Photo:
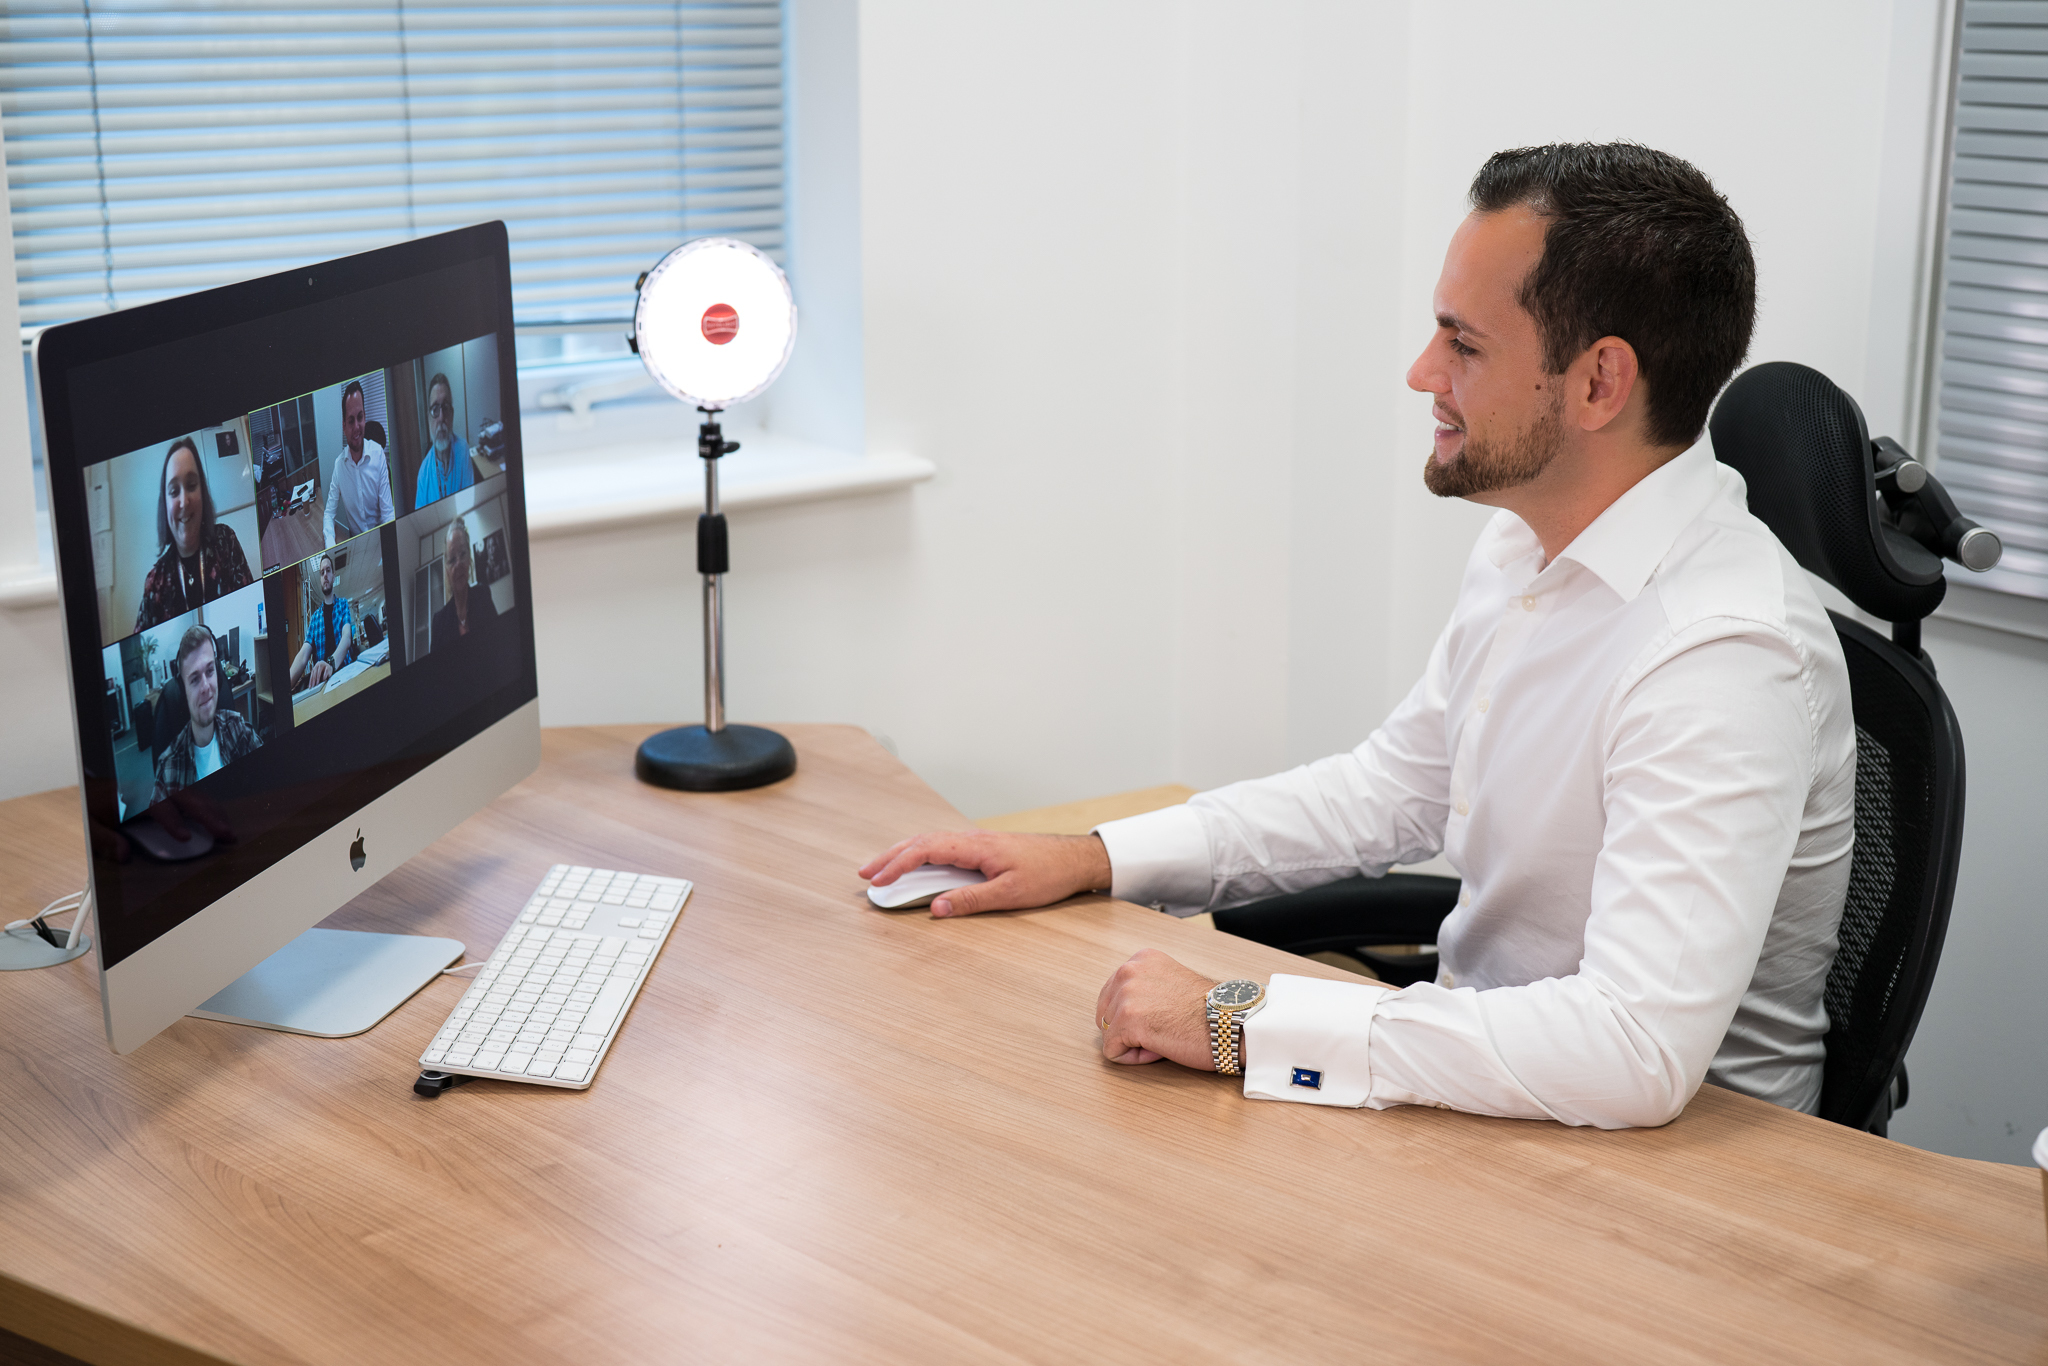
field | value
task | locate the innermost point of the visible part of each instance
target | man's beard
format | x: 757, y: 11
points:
x: 1484, y: 467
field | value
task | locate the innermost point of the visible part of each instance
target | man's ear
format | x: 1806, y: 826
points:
x: 1608, y: 374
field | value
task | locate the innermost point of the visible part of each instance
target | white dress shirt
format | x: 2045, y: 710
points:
x: 360, y: 488
x: 1641, y: 760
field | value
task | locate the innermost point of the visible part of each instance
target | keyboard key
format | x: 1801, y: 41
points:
x: 606, y: 1007
x: 629, y: 923
x: 585, y: 1056
x: 487, y: 1060
x: 540, y: 1068
x: 650, y: 934
x: 589, y: 1042
x: 433, y: 1055
x: 571, y: 1071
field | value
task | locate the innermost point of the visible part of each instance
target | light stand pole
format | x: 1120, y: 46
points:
x: 714, y: 757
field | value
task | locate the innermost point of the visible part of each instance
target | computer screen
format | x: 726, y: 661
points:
x: 290, y: 531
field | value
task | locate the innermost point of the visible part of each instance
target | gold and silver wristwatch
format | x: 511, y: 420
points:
x: 1230, y: 1005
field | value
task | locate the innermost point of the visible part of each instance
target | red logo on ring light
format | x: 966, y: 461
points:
x: 721, y: 324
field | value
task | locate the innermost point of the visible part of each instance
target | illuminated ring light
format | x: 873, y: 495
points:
x: 715, y: 322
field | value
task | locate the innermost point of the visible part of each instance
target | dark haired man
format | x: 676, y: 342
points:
x: 446, y: 468
x: 330, y: 634
x: 359, y: 489
x: 1633, y: 739
x: 212, y: 738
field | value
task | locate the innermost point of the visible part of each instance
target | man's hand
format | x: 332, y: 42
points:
x: 1022, y: 870
x: 319, y: 673
x: 1153, y: 1008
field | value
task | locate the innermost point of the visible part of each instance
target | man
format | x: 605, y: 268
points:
x: 1633, y: 739
x: 446, y: 469
x: 211, y: 739
x: 359, y: 489
x: 330, y: 634
x: 469, y: 612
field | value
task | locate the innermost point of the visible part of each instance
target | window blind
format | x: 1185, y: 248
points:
x: 1992, y: 399
x: 160, y: 146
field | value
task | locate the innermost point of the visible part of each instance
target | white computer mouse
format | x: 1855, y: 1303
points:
x: 918, y: 886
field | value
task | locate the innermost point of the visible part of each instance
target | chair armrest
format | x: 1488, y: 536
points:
x: 1400, y: 908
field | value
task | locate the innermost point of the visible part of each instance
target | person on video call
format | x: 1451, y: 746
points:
x: 1632, y: 740
x: 469, y: 612
x: 330, y: 635
x: 212, y: 738
x: 199, y: 558
x: 446, y: 469
x: 360, y: 487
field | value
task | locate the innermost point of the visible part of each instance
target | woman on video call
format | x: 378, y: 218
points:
x: 201, y: 559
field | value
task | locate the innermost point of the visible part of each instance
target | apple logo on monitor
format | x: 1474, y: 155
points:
x: 356, y: 857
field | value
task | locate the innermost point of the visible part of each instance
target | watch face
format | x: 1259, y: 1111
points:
x: 1234, y: 995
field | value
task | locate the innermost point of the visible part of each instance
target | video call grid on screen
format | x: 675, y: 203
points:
x: 252, y: 564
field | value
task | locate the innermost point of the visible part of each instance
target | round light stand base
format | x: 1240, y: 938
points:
x: 694, y: 759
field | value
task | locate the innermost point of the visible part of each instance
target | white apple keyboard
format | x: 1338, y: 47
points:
x: 920, y: 885
x: 547, y: 1004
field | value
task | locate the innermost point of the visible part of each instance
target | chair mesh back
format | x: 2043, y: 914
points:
x: 1803, y: 450
x: 1900, y: 875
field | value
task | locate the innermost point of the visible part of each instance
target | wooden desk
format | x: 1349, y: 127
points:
x: 835, y: 1134
x: 317, y: 702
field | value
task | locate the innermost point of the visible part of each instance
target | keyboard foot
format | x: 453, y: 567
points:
x: 431, y: 1083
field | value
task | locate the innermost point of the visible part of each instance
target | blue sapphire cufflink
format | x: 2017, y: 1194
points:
x: 1304, y: 1077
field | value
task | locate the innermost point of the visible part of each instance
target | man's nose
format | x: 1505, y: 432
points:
x: 1425, y: 376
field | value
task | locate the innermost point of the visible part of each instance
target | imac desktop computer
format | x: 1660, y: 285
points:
x: 269, y: 502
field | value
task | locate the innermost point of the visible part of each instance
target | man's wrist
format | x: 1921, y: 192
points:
x: 1098, y: 875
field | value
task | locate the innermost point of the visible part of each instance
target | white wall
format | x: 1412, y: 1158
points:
x: 1143, y: 280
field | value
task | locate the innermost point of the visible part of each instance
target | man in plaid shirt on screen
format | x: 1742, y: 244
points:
x: 330, y: 634
x: 211, y: 738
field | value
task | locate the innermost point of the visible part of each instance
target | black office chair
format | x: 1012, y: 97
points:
x: 1870, y: 520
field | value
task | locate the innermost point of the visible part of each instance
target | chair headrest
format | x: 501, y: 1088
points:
x: 1802, y: 446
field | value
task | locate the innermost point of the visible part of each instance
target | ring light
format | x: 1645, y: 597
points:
x: 715, y: 322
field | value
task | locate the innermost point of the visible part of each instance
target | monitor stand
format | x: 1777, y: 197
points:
x: 332, y: 983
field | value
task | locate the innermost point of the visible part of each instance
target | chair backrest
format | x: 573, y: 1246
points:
x: 1902, y: 875
x: 1804, y: 450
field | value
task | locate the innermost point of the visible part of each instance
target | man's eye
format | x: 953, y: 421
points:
x: 1463, y: 349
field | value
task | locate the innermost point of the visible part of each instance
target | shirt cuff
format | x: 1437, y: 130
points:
x: 1159, y: 859
x: 1312, y: 1041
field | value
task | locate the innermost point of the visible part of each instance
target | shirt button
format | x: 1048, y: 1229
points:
x: 1464, y: 898
x: 1461, y: 808
x: 1448, y: 980
x: 1483, y: 703
x: 1529, y: 602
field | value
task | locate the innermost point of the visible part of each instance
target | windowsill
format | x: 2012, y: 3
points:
x: 636, y: 463
x: 2012, y: 613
